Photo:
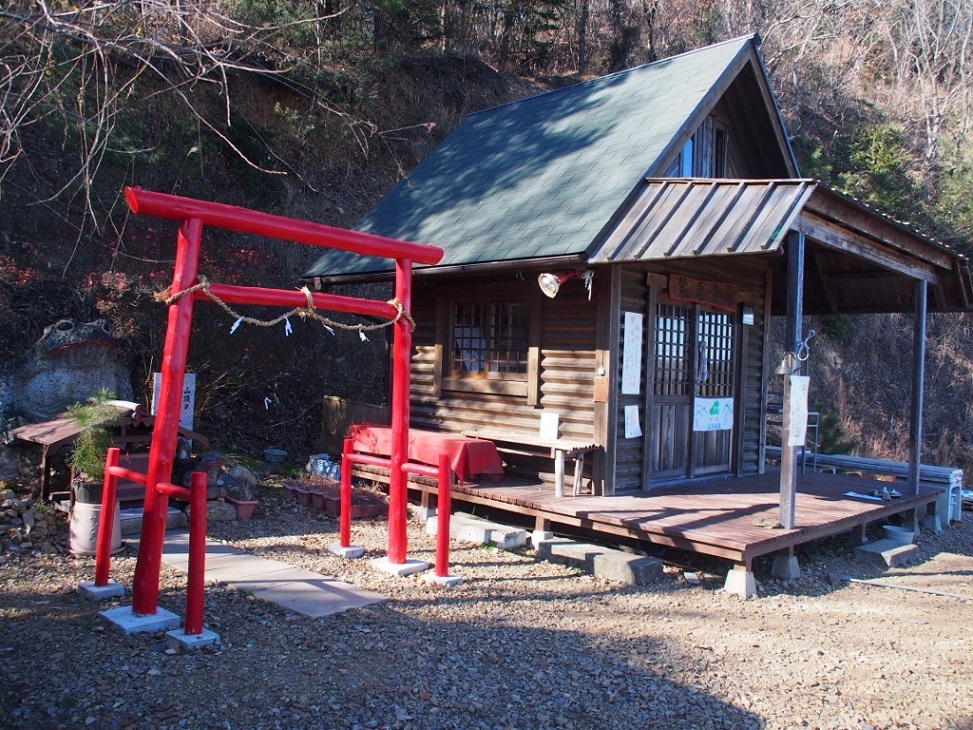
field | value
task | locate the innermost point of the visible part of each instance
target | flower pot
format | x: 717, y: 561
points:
x: 83, y: 530
x: 358, y: 511
x: 244, y: 507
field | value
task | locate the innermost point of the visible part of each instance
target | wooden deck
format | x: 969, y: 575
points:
x: 714, y: 516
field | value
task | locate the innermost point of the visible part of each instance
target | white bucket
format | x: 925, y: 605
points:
x: 83, y: 534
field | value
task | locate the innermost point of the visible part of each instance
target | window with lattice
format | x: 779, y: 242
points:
x: 489, y: 339
x: 673, y: 374
x: 714, y: 355
x: 693, y: 354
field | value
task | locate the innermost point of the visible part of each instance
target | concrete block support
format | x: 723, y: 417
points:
x: 786, y: 566
x: 123, y: 619
x: 179, y: 641
x: 740, y: 582
x: 467, y: 528
x: 539, y: 536
x: 400, y: 569
x: 350, y: 552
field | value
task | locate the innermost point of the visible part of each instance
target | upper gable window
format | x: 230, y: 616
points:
x: 704, y: 154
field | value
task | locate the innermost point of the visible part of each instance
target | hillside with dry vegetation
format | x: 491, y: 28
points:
x: 314, y: 110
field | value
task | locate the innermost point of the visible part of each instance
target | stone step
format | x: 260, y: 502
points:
x: 131, y: 520
x: 602, y: 562
x: 468, y: 528
x: 887, y: 552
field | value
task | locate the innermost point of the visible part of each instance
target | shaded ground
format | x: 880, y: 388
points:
x: 520, y: 644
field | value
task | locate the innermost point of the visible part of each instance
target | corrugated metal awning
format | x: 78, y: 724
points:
x: 686, y: 218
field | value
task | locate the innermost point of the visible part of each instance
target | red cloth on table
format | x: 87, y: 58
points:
x: 466, y: 455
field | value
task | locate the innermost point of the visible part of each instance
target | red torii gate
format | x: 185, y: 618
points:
x: 193, y: 216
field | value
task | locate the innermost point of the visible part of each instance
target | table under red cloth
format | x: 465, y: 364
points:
x: 466, y: 455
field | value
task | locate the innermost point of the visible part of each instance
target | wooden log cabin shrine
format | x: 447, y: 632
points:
x: 662, y: 211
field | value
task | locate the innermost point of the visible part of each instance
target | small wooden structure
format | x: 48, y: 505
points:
x: 132, y: 435
x: 662, y: 213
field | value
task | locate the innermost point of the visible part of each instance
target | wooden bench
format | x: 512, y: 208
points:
x: 526, y: 444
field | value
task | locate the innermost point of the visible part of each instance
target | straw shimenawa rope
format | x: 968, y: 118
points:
x: 306, y: 311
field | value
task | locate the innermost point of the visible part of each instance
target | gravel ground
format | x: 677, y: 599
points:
x: 520, y: 644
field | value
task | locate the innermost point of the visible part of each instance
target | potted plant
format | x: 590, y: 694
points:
x: 239, y: 484
x: 96, y: 418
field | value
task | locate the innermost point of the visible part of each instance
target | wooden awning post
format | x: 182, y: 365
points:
x: 918, y: 377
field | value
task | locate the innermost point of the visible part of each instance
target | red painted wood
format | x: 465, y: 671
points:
x: 193, y: 214
x: 344, y: 516
x: 197, y: 555
x: 145, y: 585
x: 243, y: 220
x: 443, y: 508
x: 284, y: 298
x: 107, y: 523
x: 401, y: 362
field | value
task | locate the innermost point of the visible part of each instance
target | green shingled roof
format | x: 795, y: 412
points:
x: 542, y: 176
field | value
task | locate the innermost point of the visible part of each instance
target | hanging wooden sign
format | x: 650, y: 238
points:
x: 713, y: 293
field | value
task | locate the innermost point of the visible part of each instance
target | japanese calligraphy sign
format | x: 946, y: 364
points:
x: 714, y: 293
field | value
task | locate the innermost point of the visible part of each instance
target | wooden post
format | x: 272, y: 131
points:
x: 402, y: 356
x: 148, y: 567
x: 918, y: 377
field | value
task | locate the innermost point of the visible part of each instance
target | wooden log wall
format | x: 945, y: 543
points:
x: 754, y: 376
x: 567, y: 368
x: 567, y: 364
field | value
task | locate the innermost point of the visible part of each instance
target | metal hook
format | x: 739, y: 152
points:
x: 803, y: 351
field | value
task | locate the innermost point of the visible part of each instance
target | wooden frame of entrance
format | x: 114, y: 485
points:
x: 193, y: 215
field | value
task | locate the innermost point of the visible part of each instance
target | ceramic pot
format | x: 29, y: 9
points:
x: 244, y: 507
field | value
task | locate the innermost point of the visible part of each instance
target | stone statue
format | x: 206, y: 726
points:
x: 68, y: 364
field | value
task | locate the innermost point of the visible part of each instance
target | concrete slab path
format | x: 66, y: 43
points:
x: 298, y: 590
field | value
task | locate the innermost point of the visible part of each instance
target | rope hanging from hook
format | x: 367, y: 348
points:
x: 303, y: 312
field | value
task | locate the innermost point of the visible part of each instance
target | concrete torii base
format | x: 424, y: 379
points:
x: 400, y: 569
x: 123, y: 619
x: 741, y: 582
x: 446, y: 581
x: 179, y: 641
x: 350, y: 552
x: 99, y: 593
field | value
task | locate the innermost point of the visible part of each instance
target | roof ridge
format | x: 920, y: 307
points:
x: 601, y: 80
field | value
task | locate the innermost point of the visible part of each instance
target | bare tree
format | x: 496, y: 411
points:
x: 78, y: 64
x: 931, y: 44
